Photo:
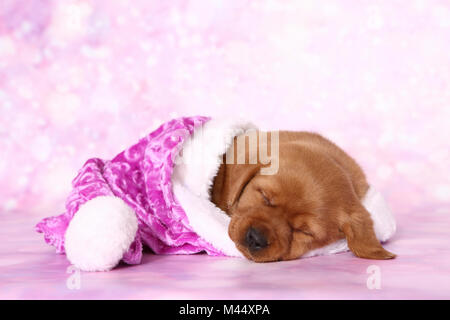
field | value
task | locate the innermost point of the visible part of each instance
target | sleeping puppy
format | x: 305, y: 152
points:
x: 314, y: 199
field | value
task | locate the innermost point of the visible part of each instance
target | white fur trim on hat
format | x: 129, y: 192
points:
x: 100, y: 233
x: 194, y: 174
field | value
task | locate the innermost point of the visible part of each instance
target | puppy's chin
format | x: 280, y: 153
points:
x: 262, y: 255
x: 278, y: 241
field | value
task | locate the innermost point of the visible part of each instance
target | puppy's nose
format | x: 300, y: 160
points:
x: 255, y: 240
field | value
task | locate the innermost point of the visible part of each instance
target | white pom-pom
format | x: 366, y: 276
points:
x: 100, y: 233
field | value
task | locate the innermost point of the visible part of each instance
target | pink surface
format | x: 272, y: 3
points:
x: 31, y: 270
x: 82, y: 79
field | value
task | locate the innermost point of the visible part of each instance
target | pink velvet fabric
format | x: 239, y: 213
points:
x: 141, y: 176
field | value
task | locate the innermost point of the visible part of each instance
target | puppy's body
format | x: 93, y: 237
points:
x: 313, y: 200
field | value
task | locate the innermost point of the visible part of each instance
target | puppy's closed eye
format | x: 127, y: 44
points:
x: 301, y: 227
x: 266, y: 198
x: 305, y: 232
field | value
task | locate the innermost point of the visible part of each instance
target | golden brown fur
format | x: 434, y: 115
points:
x: 313, y: 200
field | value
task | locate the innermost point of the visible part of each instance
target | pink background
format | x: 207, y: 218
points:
x: 80, y: 79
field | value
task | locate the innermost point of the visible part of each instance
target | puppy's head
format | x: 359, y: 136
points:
x: 307, y: 204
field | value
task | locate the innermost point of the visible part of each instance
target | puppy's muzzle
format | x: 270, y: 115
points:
x: 255, y: 240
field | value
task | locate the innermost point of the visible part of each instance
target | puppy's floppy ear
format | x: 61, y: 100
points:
x: 233, y: 176
x: 230, y: 182
x: 358, y: 229
x: 241, y: 175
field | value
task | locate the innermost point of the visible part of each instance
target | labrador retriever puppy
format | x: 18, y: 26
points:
x: 314, y: 199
